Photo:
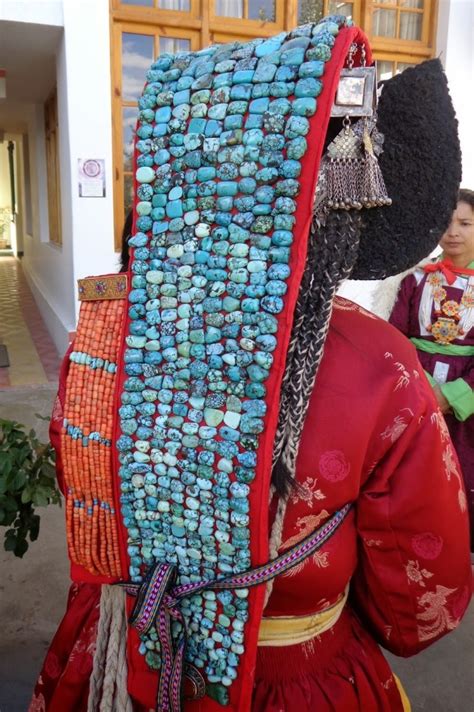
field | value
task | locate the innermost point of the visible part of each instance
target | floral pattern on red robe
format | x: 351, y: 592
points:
x: 373, y: 436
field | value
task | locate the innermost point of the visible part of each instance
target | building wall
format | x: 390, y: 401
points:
x: 456, y: 47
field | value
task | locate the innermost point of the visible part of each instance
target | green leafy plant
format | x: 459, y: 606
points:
x: 27, y: 480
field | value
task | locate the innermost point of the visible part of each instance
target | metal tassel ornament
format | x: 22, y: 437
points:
x: 344, y: 170
x: 372, y: 189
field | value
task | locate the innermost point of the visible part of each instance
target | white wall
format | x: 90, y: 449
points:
x: 86, y: 84
x: 455, y: 44
x: 83, y: 77
x: 48, y: 268
x: 41, y: 12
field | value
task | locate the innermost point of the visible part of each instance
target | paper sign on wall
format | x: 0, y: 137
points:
x: 91, y: 177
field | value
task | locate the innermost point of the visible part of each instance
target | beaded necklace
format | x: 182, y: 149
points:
x: 453, y: 320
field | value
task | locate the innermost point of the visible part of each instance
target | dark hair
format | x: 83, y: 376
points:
x: 332, y: 254
x: 466, y: 196
x: 126, y: 234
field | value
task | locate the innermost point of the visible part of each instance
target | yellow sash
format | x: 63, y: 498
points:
x: 280, y: 631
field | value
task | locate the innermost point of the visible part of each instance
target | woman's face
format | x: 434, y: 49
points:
x: 458, y: 240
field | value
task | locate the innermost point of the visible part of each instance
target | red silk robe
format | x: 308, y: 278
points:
x: 373, y: 435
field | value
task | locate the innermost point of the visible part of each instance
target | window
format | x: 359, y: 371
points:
x: 387, y: 68
x: 182, y: 5
x: 402, y: 19
x: 263, y: 10
x: 52, y: 168
x: 314, y: 10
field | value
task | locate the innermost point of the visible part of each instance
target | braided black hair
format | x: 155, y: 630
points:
x: 332, y: 254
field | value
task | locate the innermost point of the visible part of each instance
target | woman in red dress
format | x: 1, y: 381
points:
x: 207, y: 445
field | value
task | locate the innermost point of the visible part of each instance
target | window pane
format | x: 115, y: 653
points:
x: 143, y: 3
x: 129, y: 120
x: 401, y: 66
x: 410, y: 25
x: 127, y: 194
x: 262, y: 10
x: 182, y: 5
x: 174, y: 45
x: 385, y: 23
x: 336, y: 7
x: 385, y: 70
x: 229, y: 8
x: 310, y: 11
x: 411, y: 3
x: 137, y: 55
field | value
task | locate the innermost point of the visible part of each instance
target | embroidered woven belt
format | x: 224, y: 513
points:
x: 279, y: 631
x: 158, y: 599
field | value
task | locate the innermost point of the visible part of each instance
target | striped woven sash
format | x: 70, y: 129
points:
x: 158, y: 600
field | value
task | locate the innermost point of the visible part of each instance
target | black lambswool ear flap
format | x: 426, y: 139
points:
x: 421, y: 166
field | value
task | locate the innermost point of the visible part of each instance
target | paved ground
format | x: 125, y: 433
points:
x: 33, y: 594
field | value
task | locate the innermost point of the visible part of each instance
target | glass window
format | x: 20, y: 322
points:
x: 385, y: 70
x: 418, y: 4
x: 310, y: 11
x: 182, y: 5
x: 127, y: 193
x: 401, y: 66
x: 174, y: 45
x: 385, y: 23
x: 129, y: 120
x: 410, y: 25
x: 336, y: 7
x: 229, y: 8
x: 137, y: 54
x: 263, y: 10
x: 143, y: 3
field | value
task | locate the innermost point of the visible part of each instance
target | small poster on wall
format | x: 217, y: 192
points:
x: 91, y: 177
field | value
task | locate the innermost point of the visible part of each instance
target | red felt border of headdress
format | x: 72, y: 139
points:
x: 143, y: 682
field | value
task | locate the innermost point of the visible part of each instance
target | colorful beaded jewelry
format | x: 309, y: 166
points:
x: 86, y: 438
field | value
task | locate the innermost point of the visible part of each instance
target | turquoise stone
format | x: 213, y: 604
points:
x: 174, y: 209
x: 254, y: 121
x: 296, y: 126
x: 196, y: 125
x: 304, y: 107
x: 227, y: 188
x: 145, y: 174
x: 267, y: 47
x: 308, y: 87
x: 144, y: 208
x: 241, y: 92
x: 295, y: 55
x: 290, y: 169
x: 235, y: 121
x: 181, y: 97
x: 248, y: 185
x: 213, y: 128
x: 311, y: 69
x: 243, y: 76
x: 217, y: 112
x: 198, y: 111
x: 259, y: 106
x: 264, y: 72
x: 296, y: 148
x: 286, y: 73
x: 237, y: 107
x: 319, y: 52
x: 163, y: 115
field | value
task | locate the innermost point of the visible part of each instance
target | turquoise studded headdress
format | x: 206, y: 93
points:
x: 228, y: 145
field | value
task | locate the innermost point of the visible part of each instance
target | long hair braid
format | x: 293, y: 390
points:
x: 332, y: 254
